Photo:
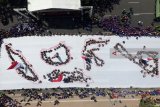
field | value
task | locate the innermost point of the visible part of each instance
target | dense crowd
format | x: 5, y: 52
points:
x: 121, y: 25
x: 148, y: 69
x: 21, y: 70
x: 113, y: 24
x: 56, y: 94
x: 76, y: 75
x: 89, y: 54
x: 26, y: 28
x: 44, y: 94
x: 49, y: 60
x: 6, y: 101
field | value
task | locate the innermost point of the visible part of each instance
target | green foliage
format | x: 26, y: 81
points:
x: 157, y: 28
x: 1, y: 94
x: 3, y: 2
x: 147, y: 103
x: 157, y: 8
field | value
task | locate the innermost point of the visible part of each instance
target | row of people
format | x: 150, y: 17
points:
x: 41, y: 95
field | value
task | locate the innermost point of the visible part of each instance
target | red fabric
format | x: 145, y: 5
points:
x: 114, y: 53
x: 149, y: 59
x: 83, y: 57
x: 114, y: 96
x: 14, y: 63
x: 59, y: 79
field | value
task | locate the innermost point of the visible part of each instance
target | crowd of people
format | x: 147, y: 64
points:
x: 76, y: 75
x: 57, y: 94
x: 89, y: 54
x: 26, y: 28
x: 50, y: 60
x: 6, y: 101
x: 148, y: 69
x: 21, y: 70
x: 121, y: 25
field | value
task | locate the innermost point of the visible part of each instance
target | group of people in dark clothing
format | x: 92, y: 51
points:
x: 11, y: 53
x: 40, y: 95
x: 121, y: 25
x: 68, y: 77
x: 89, y: 54
x: 57, y: 94
x: 139, y: 59
x: 51, y: 60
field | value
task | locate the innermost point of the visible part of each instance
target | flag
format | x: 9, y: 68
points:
x: 59, y: 79
x: 83, y: 57
x: 149, y: 59
x: 114, y: 53
x: 15, y: 65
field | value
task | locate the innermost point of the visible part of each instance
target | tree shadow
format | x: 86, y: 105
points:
x: 62, y: 20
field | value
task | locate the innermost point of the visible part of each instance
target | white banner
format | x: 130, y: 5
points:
x: 79, y: 61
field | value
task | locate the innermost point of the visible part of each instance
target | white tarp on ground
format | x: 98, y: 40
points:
x: 35, y: 5
x: 116, y: 72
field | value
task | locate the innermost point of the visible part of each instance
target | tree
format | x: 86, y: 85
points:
x: 3, y: 2
x: 147, y: 102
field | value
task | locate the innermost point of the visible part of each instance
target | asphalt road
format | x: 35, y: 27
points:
x: 144, y: 10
